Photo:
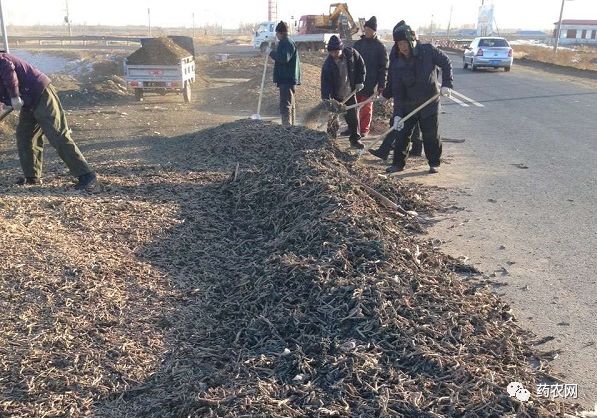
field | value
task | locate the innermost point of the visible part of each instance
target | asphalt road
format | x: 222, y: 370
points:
x: 526, y: 180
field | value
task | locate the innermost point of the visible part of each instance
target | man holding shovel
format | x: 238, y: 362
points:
x: 287, y: 73
x: 29, y: 92
x: 375, y: 56
x: 342, y: 76
x: 412, y: 81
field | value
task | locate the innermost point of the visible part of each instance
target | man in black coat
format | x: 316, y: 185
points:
x: 287, y: 73
x: 375, y: 56
x: 344, y: 72
x: 412, y: 80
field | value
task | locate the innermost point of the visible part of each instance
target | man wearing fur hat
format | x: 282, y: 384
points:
x: 412, y: 80
x: 344, y: 72
x: 287, y: 73
x: 375, y: 56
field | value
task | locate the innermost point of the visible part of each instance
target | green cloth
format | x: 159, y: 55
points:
x: 287, y: 66
x: 47, y: 119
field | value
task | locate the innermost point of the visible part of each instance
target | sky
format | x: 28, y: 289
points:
x: 509, y: 14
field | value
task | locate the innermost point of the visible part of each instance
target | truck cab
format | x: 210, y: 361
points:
x: 264, y: 35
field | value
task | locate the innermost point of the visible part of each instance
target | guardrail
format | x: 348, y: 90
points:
x: 74, y: 40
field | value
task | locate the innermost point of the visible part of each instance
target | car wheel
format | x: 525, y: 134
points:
x: 474, y: 67
x: 506, y: 69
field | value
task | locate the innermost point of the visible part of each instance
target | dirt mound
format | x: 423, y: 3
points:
x: 244, y: 95
x: 158, y: 51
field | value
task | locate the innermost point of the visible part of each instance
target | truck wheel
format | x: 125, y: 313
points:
x: 263, y: 47
x: 186, y: 93
x: 506, y: 69
x: 139, y: 95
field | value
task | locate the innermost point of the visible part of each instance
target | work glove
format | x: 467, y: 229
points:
x: 359, y: 87
x: 398, y: 124
x: 446, y: 91
x: 16, y: 103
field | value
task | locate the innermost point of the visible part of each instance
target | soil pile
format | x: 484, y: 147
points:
x: 244, y: 95
x: 158, y: 51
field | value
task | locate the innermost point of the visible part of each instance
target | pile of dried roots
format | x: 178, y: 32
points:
x: 245, y: 271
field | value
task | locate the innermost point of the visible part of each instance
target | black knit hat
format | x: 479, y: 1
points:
x: 372, y: 23
x: 335, y: 44
x: 282, y: 27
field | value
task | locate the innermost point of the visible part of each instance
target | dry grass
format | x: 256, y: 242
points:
x: 581, y: 58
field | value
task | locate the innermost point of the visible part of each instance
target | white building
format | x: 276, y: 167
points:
x: 577, y: 32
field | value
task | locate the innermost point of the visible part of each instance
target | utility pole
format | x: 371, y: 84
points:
x: 67, y: 19
x: 450, y: 21
x: 4, y: 33
x: 193, y: 25
x: 558, y: 31
x: 149, y: 21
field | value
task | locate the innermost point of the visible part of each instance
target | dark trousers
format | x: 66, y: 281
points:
x: 416, y: 143
x: 352, y: 119
x: 431, y: 142
x: 47, y: 119
x: 415, y: 138
x: 287, y: 104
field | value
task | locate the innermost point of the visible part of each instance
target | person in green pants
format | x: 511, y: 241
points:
x: 29, y: 92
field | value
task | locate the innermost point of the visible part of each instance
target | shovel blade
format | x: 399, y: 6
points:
x: 256, y: 116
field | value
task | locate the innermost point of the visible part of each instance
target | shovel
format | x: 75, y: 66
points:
x: 257, y: 116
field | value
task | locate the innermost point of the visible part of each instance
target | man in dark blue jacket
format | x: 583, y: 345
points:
x: 287, y: 73
x: 342, y: 74
x: 412, y: 80
x: 375, y: 56
x: 29, y: 92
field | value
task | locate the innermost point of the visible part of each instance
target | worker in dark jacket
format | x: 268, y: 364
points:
x: 29, y: 92
x: 375, y: 56
x: 287, y: 73
x: 412, y: 80
x: 342, y: 74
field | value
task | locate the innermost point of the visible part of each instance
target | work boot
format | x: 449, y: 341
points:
x: 86, y: 181
x: 433, y: 170
x: 379, y: 153
x: 356, y: 143
x: 394, y: 169
x: 29, y: 181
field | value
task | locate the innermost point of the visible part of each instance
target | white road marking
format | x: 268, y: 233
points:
x: 460, y: 102
x: 467, y: 98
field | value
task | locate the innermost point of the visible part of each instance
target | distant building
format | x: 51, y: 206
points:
x: 577, y: 32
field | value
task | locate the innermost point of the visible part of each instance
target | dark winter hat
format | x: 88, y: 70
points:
x: 282, y: 27
x: 335, y: 44
x: 372, y: 23
x: 403, y: 32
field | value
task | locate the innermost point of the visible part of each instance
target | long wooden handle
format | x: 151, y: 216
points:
x: 262, y: 84
x: 7, y: 111
x: 404, y: 119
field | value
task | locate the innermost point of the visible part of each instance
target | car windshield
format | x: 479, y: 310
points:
x: 264, y: 27
x: 493, y: 43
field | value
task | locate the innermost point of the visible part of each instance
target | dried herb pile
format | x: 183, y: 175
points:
x: 238, y: 272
